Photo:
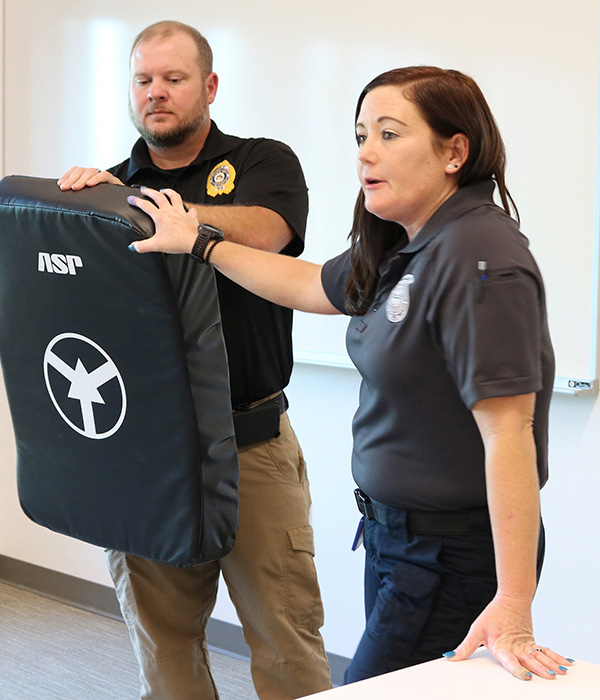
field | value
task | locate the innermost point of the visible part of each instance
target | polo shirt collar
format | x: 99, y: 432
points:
x: 463, y: 200
x: 217, y: 144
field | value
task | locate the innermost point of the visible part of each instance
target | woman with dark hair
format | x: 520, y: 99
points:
x: 449, y: 333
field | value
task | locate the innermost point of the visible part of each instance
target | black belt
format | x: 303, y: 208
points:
x: 260, y: 421
x: 426, y: 522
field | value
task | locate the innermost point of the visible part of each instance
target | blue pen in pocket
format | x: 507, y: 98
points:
x: 482, y: 276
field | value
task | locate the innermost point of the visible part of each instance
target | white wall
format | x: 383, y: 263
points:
x: 567, y: 609
x: 43, y: 116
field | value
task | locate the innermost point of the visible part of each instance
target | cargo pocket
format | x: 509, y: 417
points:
x: 303, y: 604
x: 403, y: 607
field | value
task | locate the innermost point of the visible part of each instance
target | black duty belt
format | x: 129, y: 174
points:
x: 425, y: 522
x: 259, y: 421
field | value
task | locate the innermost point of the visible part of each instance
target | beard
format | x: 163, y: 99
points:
x: 170, y: 138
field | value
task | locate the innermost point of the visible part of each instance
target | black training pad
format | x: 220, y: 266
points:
x: 73, y: 301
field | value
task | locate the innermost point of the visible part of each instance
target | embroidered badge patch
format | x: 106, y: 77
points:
x: 398, y: 302
x: 221, y: 179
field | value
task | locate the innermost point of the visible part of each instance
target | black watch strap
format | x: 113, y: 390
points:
x: 206, y: 233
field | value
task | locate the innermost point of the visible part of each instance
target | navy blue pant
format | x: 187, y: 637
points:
x: 422, y: 593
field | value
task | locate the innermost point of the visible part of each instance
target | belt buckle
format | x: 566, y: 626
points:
x: 364, y: 504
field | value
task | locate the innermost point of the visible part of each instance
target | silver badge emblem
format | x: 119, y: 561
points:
x: 398, y: 302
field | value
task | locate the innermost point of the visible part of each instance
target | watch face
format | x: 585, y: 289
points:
x: 211, y: 229
x: 206, y: 233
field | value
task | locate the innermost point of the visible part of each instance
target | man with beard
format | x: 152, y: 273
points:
x: 254, y: 190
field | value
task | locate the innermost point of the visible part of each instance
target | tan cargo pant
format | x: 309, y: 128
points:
x: 271, y: 579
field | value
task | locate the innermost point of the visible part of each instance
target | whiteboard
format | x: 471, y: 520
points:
x: 293, y: 71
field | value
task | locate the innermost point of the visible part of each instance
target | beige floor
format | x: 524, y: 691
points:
x: 52, y: 651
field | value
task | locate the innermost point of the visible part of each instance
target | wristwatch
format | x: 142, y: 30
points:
x: 206, y: 233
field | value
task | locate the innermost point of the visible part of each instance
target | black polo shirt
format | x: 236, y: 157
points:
x: 441, y: 335
x: 250, y: 172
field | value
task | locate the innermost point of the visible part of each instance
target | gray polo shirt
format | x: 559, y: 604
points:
x: 440, y: 335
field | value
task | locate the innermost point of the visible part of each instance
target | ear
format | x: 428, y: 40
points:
x: 212, y: 83
x: 458, y: 152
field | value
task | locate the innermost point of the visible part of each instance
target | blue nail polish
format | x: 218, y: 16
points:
x: 551, y: 672
x: 528, y: 675
x: 449, y: 654
x: 563, y: 668
x: 571, y: 661
x: 132, y: 247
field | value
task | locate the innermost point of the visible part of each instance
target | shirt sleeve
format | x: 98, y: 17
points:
x: 490, y: 327
x: 334, y: 276
x: 272, y: 177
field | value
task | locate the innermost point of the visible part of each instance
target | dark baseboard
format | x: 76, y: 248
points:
x: 61, y: 587
x: 99, y: 599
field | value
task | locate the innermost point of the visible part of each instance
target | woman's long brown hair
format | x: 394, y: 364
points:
x: 451, y: 103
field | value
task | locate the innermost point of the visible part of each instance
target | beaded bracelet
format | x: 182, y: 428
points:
x: 208, y: 253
